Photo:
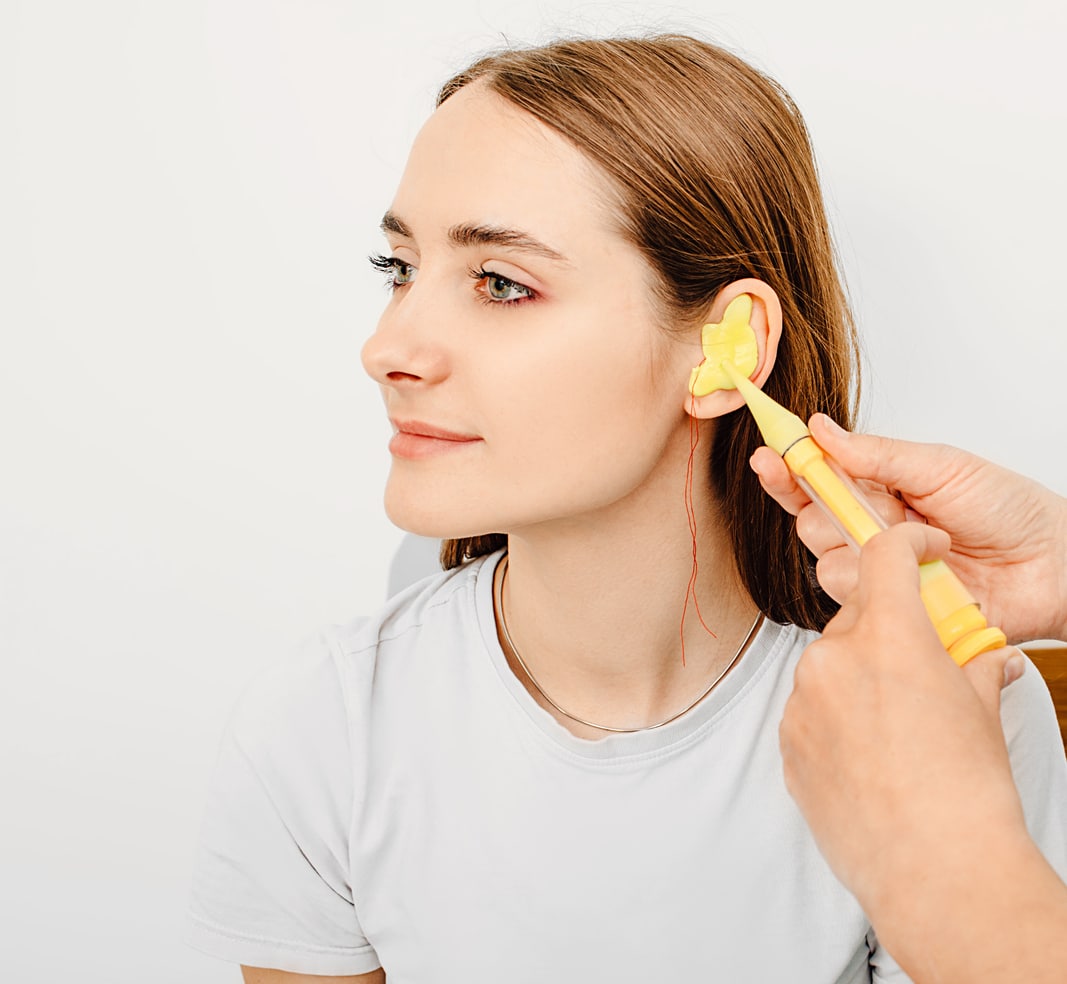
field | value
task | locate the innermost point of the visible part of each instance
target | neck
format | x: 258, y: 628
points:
x: 594, y: 605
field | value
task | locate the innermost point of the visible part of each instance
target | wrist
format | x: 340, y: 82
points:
x: 970, y: 910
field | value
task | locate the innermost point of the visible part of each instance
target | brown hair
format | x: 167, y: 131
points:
x: 716, y: 179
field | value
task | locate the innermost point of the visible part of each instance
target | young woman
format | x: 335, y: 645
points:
x: 545, y: 763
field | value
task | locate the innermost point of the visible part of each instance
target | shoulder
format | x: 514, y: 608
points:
x: 759, y: 686
x: 795, y: 640
x: 1038, y: 765
x: 323, y: 679
x: 1026, y: 708
x: 1031, y: 731
x: 789, y: 645
x: 450, y: 597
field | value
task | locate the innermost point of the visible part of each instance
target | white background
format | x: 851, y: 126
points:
x: 192, y: 460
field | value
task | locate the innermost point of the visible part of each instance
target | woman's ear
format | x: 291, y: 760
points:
x: 765, y: 324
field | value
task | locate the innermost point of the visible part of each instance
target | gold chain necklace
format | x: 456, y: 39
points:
x: 498, y: 599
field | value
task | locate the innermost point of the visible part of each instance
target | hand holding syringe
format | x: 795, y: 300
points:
x: 1009, y: 532
x: 960, y: 625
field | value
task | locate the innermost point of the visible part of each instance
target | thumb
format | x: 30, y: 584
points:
x: 911, y: 467
x: 990, y: 672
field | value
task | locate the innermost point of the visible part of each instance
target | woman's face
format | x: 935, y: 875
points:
x: 520, y: 357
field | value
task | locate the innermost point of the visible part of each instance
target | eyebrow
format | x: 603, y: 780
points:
x: 469, y: 234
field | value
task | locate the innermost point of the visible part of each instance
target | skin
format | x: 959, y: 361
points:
x: 885, y: 742
x: 262, y: 975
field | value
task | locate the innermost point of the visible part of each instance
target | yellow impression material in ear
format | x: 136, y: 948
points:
x: 733, y: 341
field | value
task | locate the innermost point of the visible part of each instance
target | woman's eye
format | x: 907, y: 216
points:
x: 403, y: 273
x: 397, y: 272
x: 500, y: 290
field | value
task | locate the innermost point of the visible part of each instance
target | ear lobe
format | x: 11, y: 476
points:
x: 766, y: 325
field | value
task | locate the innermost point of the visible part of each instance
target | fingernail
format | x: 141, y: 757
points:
x: 833, y: 426
x: 1013, y: 668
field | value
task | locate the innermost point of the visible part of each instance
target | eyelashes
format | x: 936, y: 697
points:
x: 496, y: 289
x: 396, y: 271
x: 492, y: 288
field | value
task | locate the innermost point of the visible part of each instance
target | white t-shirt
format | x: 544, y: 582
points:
x: 394, y: 797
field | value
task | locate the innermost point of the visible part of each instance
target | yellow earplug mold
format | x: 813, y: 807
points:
x: 730, y: 341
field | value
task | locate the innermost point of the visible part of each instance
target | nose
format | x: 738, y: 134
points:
x: 405, y: 349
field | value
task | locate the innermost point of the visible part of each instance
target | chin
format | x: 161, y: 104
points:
x: 426, y: 517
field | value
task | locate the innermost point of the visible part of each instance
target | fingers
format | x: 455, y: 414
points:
x: 837, y: 570
x: 991, y: 672
x: 889, y: 564
x: 886, y: 588
x: 914, y: 468
x: 820, y: 536
x: 838, y: 565
x: 816, y: 532
x: 866, y: 455
x: 777, y: 480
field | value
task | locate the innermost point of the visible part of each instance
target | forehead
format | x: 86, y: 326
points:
x: 481, y: 158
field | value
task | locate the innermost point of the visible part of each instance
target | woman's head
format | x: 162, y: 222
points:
x: 704, y: 170
x: 523, y: 325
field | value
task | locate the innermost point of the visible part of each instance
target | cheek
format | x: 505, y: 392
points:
x: 577, y: 385
x: 588, y: 350
x: 601, y: 411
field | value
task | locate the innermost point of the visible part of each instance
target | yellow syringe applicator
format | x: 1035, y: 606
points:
x: 960, y: 625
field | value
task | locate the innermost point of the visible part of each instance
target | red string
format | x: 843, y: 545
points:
x: 690, y: 512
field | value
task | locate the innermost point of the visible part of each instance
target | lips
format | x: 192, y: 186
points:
x: 419, y: 429
x: 416, y: 439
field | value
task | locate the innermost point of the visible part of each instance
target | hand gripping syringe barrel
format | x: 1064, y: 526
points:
x: 960, y: 625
